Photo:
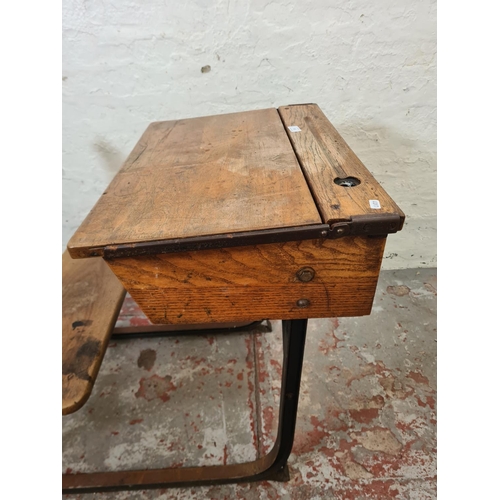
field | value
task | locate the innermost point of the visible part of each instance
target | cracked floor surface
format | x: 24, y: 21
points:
x: 366, y: 425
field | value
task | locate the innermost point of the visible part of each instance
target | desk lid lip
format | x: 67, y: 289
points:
x: 368, y: 225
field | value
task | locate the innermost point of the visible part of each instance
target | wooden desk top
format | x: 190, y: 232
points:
x: 255, y: 172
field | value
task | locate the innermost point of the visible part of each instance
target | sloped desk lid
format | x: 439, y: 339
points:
x: 225, y: 180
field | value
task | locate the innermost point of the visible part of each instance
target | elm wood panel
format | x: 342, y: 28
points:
x: 255, y: 282
x: 324, y: 155
x: 201, y: 176
x: 91, y: 301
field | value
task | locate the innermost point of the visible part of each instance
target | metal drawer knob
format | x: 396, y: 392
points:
x: 303, y: 303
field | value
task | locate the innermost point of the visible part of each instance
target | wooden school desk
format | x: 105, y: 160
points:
x: 247, y: 216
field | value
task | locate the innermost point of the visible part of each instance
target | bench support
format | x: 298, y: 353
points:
x: 270, y: 467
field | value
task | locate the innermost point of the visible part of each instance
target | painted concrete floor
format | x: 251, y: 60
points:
x: 366, y: 425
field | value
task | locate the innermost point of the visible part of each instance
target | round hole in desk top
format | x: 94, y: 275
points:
x: 347, y: 181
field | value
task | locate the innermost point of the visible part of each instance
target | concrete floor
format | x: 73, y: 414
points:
x: 366, y: 424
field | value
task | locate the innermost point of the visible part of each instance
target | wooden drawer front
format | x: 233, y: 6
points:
x: 255, y: 282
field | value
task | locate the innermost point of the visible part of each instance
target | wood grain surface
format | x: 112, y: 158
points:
x: 201, y: 176
x: 324, y: 156
x: 91, y: 301
x: 255, y: 282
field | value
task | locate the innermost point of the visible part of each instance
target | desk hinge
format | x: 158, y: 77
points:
x: 366, y: 225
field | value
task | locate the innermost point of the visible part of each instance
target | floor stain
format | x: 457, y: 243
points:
x: 147, y: 359
x: 398, y: 290
x: 156, y: 387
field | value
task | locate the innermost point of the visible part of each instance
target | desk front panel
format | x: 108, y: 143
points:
x: 299, y: 279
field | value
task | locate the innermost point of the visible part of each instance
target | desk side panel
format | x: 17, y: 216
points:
x: 255, y: 282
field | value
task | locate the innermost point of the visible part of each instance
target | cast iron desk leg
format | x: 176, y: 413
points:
x: 270, y: 467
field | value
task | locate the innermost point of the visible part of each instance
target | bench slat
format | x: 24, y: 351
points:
x: 91, y: 300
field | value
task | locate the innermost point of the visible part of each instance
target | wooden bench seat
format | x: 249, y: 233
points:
x: 91, y: 300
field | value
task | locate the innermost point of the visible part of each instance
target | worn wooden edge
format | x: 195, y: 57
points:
x: 69, y: 408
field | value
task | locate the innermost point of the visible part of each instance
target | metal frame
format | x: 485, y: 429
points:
x: 270, y: 467
x: 153, y: 331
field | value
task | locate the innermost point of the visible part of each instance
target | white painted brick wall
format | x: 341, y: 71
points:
x: 371, y: 67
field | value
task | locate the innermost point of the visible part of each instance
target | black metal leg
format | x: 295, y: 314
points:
x: 270, y: 467
x: 294, y: 338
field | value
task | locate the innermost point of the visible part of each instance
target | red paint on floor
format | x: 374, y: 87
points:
x: 155, y: 387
